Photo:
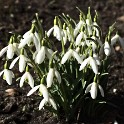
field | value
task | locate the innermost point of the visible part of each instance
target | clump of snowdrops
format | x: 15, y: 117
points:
x: 70, y: 77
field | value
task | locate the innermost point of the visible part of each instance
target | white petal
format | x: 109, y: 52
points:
x: 79, y: 38
x: 89, y: 27
x: 94, y: 65
x: 65, y: 36
x: 44, y: 91
x: 57, y: 32
x: 27, y: 39
x: 77, y: 49
x: 8, y: 76
x: 52, y: 102
x: 93, y: 90
x: 50, y: 31
x: 107, y: 49
x: 10, y: 51
x: 22, y: 63
x: 66, y: 56
x: 95, y: 56
x: 30, y: 80
x: 27, y: 34
x: 36, y: 40
x: 57, y: 74
x: 42, y: 103
x: 77, y: 57
x: 84, y: 63
x: 77, y: 28
x: 50, y: 76
x: 40, y: 55
x: 23, y: 78
x: 13, y: 62
x: 33, y: 90
x: 101, y: 90
x: 88, y: 88
x: 3, y: 50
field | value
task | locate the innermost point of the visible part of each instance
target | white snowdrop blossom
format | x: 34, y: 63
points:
x: 89, y: 27
x: 78, y: 27
x: 114, y: 39
x: 52, y: 72
x: 92, y: 88
x: 96, y: 29
x: 97, y: 59
x: 57, y: 32
x: 29, y: 37
x: 10, y: 49
x: 117, y: 38
x: 107, y: 49
x: 79, y: 38
x: 40, y: 55
x: 69, y: 54
x: 90, y: 60
x: 64, y: 36
x: 69, y: 35
x: 51, y: 101
x: 27, y: 77
x: 22, y: 62
x: 7, y: 75
x: 42, y: 89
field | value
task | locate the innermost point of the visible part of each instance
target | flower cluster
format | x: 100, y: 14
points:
x: 62, y: 75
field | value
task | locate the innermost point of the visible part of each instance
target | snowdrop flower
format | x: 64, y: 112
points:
x: 10, y: 49
x: 107, y: 48
x: 57, y: 32
x: 97, y: 59
x: 52, y: 72
x: 89, y: 27
x: 29, y: 37
x: 42, y: 89
x: 92, y: 88
x: 90, y: 60
x: 22, y: 62
x: 7, y: 75
x: 64, y: 36
x: 96, y: 29
x: 69, y: 35
x: 79, y: 38
x: 117, y: 38
x: 69, y: 54
x: 78, y: 27
x: 27, y: 76
x: 51, y: 101
x: 40, y: 55
x: 114, y: 39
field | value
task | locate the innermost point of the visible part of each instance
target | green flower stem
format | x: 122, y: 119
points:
x: 63, y: 47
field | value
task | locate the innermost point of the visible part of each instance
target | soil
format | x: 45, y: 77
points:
x: 16, y: 16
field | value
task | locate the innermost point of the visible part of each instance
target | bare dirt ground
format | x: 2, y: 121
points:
x: 16, y: 16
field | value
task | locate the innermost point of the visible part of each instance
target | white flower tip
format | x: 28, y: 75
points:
x: 93, y: 90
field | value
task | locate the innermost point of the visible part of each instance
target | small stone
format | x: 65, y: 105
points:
x: 117, y: 48
x: 10, y: 92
